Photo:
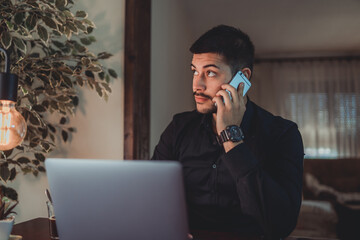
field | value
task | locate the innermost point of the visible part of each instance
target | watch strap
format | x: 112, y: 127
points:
x: 225, y: 135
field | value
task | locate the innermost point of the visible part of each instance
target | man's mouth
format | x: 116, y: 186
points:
x: 200, y: 97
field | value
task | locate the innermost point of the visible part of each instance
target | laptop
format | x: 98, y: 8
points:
x: 116, y: 199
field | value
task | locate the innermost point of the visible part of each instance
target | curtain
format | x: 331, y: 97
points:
x: 321, y: 95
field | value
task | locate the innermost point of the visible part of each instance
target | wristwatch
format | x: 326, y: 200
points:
x: 231, y: 133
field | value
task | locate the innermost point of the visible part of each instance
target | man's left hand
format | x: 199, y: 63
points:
x: 231, y: 111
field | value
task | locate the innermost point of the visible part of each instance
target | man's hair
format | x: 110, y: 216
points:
x: 232, y: 43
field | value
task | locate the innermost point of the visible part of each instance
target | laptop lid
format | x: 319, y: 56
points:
x: 115, y: 199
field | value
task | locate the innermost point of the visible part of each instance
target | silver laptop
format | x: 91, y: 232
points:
x: 114, y: 199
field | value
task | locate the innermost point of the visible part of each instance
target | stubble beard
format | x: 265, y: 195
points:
x: 207, y: 110
x: 202, y: 109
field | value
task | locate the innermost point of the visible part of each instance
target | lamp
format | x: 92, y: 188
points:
x: 12, y: 123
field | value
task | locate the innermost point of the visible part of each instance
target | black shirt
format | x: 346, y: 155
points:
x: 255, y: 188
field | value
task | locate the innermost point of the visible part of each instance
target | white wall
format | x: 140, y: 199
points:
x: 99, y: 124
x: 171, y: 80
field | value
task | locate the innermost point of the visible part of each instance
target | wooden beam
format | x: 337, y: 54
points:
x: 137, y: 79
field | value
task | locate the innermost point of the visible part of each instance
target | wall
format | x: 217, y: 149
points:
x: 171, y: 80
x: 99, y: 124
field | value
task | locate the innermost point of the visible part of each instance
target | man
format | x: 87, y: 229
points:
x: 249, y: 182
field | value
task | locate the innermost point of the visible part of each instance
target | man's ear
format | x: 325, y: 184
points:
x: 246, y: 72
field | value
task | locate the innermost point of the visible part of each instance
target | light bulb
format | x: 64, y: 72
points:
x: 12, y: 126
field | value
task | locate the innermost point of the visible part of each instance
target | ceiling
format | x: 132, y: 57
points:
x: 284, y: 27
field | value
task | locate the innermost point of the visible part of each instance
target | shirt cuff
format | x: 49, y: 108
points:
x: 240, y: 161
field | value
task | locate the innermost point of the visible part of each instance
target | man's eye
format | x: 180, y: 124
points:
x: 195, y: 72
x: 211, y: 74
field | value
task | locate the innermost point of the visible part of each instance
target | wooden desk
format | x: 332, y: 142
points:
x: 38, y: 229
x: 35, y: 229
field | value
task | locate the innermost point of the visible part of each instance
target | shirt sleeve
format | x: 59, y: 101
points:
x: 164, y: 149
x: 270, y: 193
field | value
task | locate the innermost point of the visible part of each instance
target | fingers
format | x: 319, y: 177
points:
x: 236, y: 95
x: 225, y: 96
x: 217, y: 100
x: 241, y: 90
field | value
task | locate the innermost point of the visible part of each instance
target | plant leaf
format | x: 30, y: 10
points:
x: 39, y: 108
x: 6, y: 39
x: 88, y: 22
x: 85, y: 61
x: 63, y: 98
x: 45, y: 146
x: 49, y: 22
x: 9, y: 210
x: 85, y: 41
x: 8, y: 152
x: 41, y: 169
x: 79, y: 80
x: 112, y: 73
x: 23, y: 160
x: 67, y: 80
x: 106, y: 86
x: 92, y: 38
x: 31, y: 21
x: 80, y: 26
x: 81, y: 14
x: 34, y: 120
x: 12, y: 174
x: 19, y: 18
x: 89, y: 29
x: 43, y: 33
x: 63, y: 120
x: 60, y: 3
x: 94, y: 69
x: 68, y: 14
x: 104, y: 55
x: 51, y: 127
x: 101, y: 75
x: 98, y: 89
x: 64, y: 135
x: 40, y: 157
x: 4, y: 172
x: 20, y: 44
x: 65, y: 69
x: 72, y: 27
x: 58, y: 44
x: 35, y: 162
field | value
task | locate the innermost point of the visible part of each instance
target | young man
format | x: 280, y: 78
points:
x: 242, y: 166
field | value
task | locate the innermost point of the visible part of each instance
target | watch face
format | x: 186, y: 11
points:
x: 235, y: 134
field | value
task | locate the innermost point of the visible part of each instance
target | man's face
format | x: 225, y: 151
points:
x: 209, y: 72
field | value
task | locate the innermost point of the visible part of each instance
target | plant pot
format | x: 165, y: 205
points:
x: 6, y: 227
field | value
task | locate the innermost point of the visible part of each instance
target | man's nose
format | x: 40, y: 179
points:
x: 199, y: 83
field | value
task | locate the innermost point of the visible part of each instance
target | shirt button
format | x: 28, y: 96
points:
x: 214, y: 165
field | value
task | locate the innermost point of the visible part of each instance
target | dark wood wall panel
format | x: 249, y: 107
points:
x: 137, y: 79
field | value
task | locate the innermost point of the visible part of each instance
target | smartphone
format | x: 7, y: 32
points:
x: 237, y: 79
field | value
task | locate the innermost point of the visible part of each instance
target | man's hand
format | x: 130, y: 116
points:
x: 232, y: 111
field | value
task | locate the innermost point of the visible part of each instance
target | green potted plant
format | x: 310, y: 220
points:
x: 48, y: 47
x: 8, y: 201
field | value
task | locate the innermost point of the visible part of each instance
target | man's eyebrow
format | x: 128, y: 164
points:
x: 206, y: 66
